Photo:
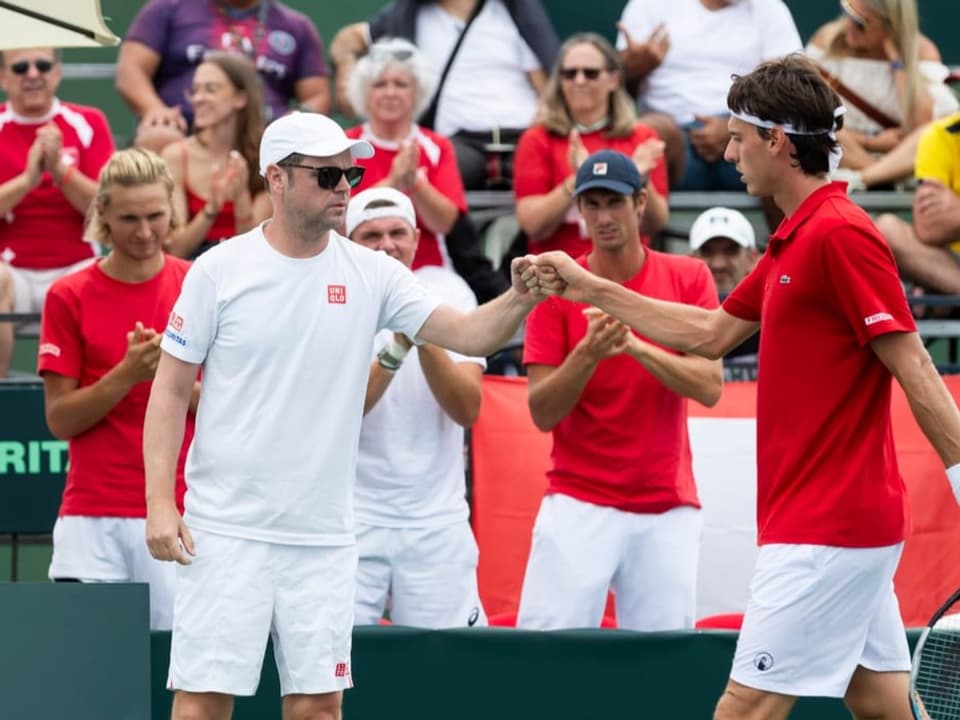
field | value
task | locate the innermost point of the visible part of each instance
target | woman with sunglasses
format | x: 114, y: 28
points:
x: 891, y: 79
x: 584, y: 109
x: 218, y: 189
x: 390, y: 86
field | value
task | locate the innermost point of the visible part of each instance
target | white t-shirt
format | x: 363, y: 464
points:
x: 410, y: 469
x: 706, y: 48
x: 285, y: 347
x: 487, y: 85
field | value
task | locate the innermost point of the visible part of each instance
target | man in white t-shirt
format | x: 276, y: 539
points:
x: 281, y: 319
x: 680, y: 55
x: 418, y: 555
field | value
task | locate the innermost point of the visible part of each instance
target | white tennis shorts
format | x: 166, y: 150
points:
x: 816, y: 613
x: 30, y: 286
x: 581, y: 550
x: 113, y: 549
x: 239, y: 592
x: 426, y: 576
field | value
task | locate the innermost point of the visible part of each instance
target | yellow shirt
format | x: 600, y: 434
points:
x: 938, y: 156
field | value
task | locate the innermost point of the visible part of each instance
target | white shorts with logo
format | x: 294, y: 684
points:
x: 816, y: 613
x: 581, y: 550
x: 237, y: 593
x: 112, y: 549
x: 426, y: 576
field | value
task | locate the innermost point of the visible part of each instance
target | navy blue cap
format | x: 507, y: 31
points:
x: 609, y: 170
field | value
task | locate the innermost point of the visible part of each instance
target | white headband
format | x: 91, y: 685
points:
x: 385, y: 211
x: 835, y: 155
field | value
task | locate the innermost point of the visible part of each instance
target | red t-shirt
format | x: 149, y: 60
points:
x: 826, y: 466
x: 625, y: 443
x: 44, y: 230
x: 438, y: 161
x: 541, y: 163
x: 85, y: 320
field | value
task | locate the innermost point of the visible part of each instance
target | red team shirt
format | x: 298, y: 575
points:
x: 625, y: 443
x: 826, y: 466
x: 44, y: 230
x: 438, y: 161
x: 541, y: 163
x: 85, y: 321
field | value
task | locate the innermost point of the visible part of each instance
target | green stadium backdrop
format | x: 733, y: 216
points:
x: 939, y: 19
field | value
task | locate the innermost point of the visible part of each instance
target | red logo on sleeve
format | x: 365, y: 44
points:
x: 337, y: 294
x: 176, y: 322
x: 342, y: 670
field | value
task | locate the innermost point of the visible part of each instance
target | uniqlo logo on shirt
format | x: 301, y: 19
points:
x: 337, y: 294
x: 176, y: 322
x: 342, y: 670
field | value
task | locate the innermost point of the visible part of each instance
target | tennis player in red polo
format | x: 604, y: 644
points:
x: 822, y: 619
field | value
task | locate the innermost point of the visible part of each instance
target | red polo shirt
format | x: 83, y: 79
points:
x: 826, y: 467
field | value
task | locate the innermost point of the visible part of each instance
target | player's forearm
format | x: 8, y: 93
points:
x: 456, y: 386
x: 934, y: 408
x: 554, y: 396
x: 689, y: 376
x: 488, y: 328
x: 377, y: 384
x: 77, y: 411
x: 163, y: 429
x: 683, y: 327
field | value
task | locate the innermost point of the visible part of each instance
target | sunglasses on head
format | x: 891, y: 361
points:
x: 400, y: 54
x: 328, y: 177
x: 858, y: 20
x: 588, y: 73
x: 23, y: 66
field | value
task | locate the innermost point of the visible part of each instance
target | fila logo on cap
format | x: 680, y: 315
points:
x: 599, y: 168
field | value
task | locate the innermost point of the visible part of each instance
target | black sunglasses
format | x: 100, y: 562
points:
x: 588, y: 73
x: 328, y: 177
x: 23, y: 67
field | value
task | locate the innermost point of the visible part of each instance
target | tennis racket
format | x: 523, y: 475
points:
x: 935, y: 675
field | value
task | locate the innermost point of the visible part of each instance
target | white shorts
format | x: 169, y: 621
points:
x: 815, y: 614
x: 111, y: 549
x: 237, y: 593
x: 426, y: 576
x: 30, y: 286
x: 581, y: 550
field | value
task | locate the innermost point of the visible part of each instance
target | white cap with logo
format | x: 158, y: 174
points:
x: 387, y: 202
x: 721, y: 222
x: 307, y: 134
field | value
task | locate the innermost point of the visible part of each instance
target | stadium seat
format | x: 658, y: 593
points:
x: 722, y: 621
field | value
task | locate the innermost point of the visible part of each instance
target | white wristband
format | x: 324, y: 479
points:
x: 953, y: 475
x: 397, y: 350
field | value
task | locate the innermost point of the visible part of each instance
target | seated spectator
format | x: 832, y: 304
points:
x: 417, y: 553
x: 390, y: 86
x: 926, y: 250
x: 218, y: 191
x: 584, y: 109
x: 169, y: 38
x: 489, y: 96
x: 891, y: 79
x: 681, y: 54
x: 52, y: 151
x: 99, y: 348
x: 724, y: 239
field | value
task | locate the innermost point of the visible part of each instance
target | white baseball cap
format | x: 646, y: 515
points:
x: 721, y: 222
x: 394, y: 204
x: 307, y: 134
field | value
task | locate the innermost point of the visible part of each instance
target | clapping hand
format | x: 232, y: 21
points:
x: 710, y: 139
x: 576, y: 152
x: 647, y: 154
x: 143, y: 353
x: 642, y: 58
x: 403, y: 169
x: 606, y: 336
